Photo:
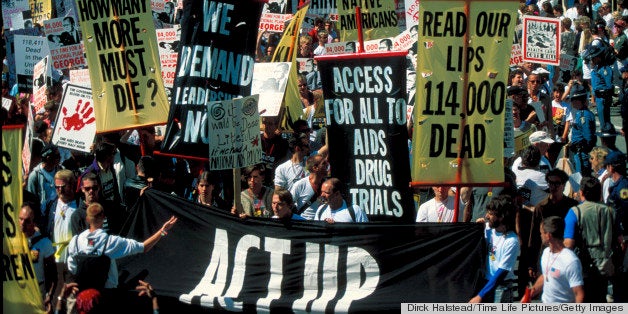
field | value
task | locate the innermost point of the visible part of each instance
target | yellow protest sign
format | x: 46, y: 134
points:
x: 462, y: 72
x: 379, y: 19
x: 287, y: 51
x: 123, y: 58
x: 20, y: 291
x: 41, y: 10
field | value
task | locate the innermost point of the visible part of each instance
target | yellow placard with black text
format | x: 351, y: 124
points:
x: 379, y: 19
x: 20, y: 291
x: 463, y: 65
x: 286, y: 52
x: 123, y: 58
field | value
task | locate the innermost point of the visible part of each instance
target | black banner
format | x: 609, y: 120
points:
x: 213, y: 259
x: 216, y: 61
x: 365, y: 107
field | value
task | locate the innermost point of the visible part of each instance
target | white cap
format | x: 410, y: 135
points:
x: 540, y: 136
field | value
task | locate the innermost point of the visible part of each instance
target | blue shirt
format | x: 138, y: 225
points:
x: 601, y: 78
x: 583, y: 127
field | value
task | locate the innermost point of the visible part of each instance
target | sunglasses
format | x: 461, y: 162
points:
x: 89, y: 188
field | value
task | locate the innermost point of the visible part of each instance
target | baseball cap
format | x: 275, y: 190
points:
x: 614, y: 158
x: 540, y: 136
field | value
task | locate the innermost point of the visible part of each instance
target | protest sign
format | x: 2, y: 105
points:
x: 40, y: 83
x: 287, y: 52
x: 323, y: 8
x: 28, y: 143
x: 273, y: 22
x: 461, y: 91
x: 41, y: 10
x: 365, y: 108
x: 80, y: 77
x: 215, y: 63
x: 169, y: 41
x: 32, y: 49
x: 9, y: 37
x: 412, y: 13
x: 516, y: 57
x: 10, y: 7
x: 235, y: 137
x: 300, y: 266
x: 66, y: 50
x: 20, y: 289
x: 404, y: 41
x: 269, y: 82
x: 6, y: 103
x: 379, y: 19
x: 75, y: 127
x: 121, y: 49
x: 541, y: 42
x: 509, y: 131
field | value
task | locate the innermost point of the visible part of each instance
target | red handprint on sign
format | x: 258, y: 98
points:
x: 80, y: 118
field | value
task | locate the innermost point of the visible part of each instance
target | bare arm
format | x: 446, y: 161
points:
x: 537, y: 288
x: 150, y: 242
x: 569, y: 243
x: 579, y: 292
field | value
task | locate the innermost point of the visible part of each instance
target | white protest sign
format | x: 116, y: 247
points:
x: 76, y: 124
x: 235, y: 133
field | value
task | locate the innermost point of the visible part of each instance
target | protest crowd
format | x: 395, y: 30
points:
x: 556, y: 227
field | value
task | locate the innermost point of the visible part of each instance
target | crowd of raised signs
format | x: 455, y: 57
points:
x: 566, y: 142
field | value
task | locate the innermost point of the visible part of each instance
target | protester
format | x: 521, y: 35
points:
x: 274, y: 148
x: 102, y: 166
x: 557, y: 204
x: 306, y: 192
x: 503, y: 251
x: 95, y: 239
x: 561, y: 281
x: 257, y: 199
x: 440, y: 208
x: 293, y: 169
x: 42, y: 254
x: 57, y: 219
x: 90, y: 188
x: 283, y: 206
x: 334, y: 208
x: 207, y: 191
x: 146, y: 173
x: 590, y: 228
x: 41, y: 180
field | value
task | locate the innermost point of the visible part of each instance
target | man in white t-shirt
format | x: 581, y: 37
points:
x: 530, y: 180
x: 335, y: 208
x: 438, y: 209
x: 561, y: 281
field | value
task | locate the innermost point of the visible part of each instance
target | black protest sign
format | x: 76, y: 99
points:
x: 212, y: 259
x: 365, y: 107
x: 216, y: 62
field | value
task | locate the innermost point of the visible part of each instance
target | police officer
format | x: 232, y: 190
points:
x: 583, y: 130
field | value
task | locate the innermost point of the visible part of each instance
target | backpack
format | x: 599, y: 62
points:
x: 594, y: 258
x: 92, y: 269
